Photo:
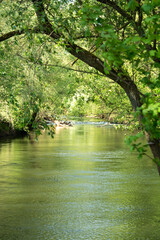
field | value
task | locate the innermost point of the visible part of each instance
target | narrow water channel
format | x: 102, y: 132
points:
x: 83, y: 184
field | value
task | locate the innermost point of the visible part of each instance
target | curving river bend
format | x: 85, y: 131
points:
x: 83, y: 184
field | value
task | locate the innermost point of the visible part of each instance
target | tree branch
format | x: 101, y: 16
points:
x: 71, y: 69
x: 124, y: 14
x: 43, y: 19
x: 59, y: 66
x: 17, y: 33
x: 117, y: 8
x: 11, y: 34
x: 136, y: 25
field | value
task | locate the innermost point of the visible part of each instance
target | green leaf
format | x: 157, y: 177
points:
x: 147, y: 7
x: 156, y: 3
x: 152, y: 53
x: 133, y: 4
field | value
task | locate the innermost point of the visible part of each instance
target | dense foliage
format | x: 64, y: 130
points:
x: 117, y: 40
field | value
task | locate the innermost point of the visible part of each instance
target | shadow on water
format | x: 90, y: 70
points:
x: 83, y: 184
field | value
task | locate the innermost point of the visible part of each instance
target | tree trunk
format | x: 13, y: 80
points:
x: 155, y: 149
x: 136, y: 101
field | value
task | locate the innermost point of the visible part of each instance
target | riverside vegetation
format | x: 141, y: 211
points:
x: 96, y: 57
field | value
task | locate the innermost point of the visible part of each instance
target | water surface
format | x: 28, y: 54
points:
x: 83, y: 184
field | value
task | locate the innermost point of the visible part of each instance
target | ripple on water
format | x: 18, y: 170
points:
x: 77, y: 186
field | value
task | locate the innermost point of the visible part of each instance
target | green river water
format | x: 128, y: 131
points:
x: 83, y: 184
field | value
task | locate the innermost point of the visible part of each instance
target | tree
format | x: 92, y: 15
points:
x: 119, y: 39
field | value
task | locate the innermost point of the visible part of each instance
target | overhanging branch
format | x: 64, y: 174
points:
x: 59, y: 66
x: 90, y: 59
x: 71, y: 69
x: 124, y: 14
x: 11, y: 34
x: 17, y: 33
x: 117, y: 8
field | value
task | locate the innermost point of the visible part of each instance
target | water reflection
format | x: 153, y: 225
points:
x: 83, y: 184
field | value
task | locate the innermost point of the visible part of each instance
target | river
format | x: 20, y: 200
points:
x: 83, y: 184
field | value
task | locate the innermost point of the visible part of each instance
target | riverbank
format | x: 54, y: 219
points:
x: 7, y: 130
